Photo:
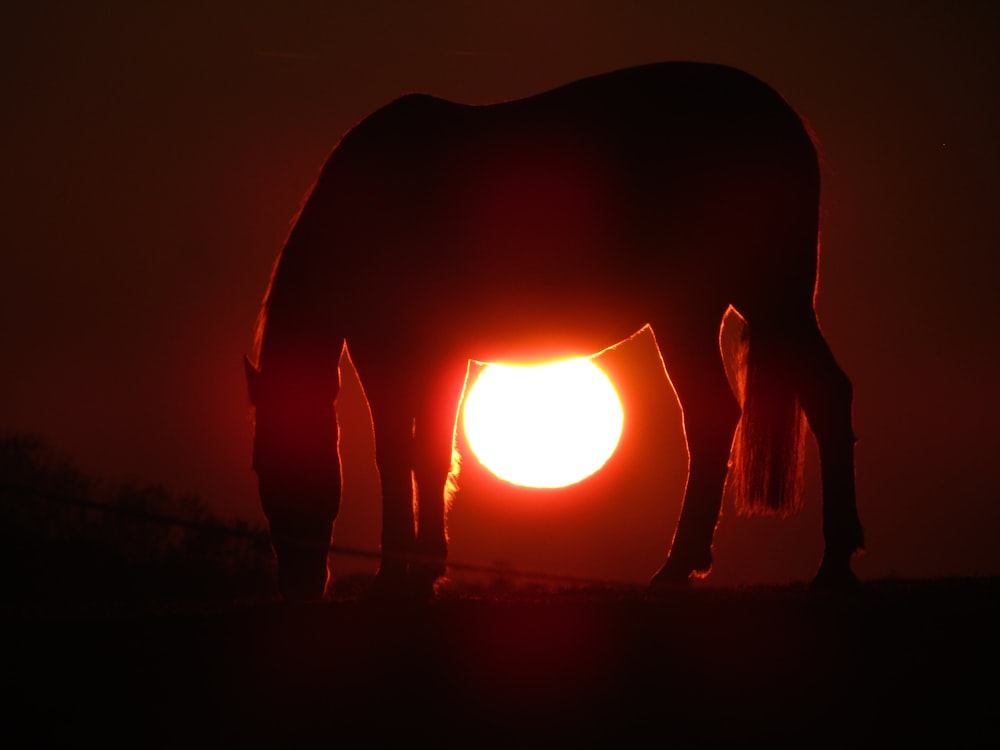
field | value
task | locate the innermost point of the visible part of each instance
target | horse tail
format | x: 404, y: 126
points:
x: 768, y: 453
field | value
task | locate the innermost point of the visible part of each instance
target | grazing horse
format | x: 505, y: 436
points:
x: 661, y: 196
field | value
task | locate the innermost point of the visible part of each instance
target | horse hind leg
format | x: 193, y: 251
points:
x: 711, y: 413
x: 826, y: 395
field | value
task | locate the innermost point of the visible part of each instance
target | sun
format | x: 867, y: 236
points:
x: 548, y: 425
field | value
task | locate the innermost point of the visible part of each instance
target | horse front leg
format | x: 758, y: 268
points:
x: 435, y: 469
x: 393, y: 426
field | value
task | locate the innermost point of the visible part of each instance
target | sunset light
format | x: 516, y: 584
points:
x: 544, y: 426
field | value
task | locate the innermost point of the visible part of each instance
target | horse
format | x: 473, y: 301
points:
x: 664, y: 196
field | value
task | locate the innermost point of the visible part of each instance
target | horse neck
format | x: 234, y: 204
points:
x: 294, y: 332
x: 296, y: 352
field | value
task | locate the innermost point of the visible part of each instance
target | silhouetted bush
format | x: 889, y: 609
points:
x: 69, y: 536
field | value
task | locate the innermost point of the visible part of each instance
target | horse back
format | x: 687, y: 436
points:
x: 583, y: 207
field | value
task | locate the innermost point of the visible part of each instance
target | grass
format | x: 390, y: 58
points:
x: 177, y: 640
x: 592, y: 666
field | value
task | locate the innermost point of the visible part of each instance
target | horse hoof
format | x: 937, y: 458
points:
x: 668, y: 579
x: 674, y: 574
x: 666, y: 587
x: 389, y: 584
x: 302, y: 589
x: 836, y: 581
x: 423, y: 575
x: 422, y: 588
x: 418, y: 586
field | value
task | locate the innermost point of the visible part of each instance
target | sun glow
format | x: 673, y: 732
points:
x: 547, y: 425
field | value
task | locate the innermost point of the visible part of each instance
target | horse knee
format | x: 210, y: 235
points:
x: 709, y: 436
x: 829, y: 406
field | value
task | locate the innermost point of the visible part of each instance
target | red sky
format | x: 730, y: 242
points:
x: 153, y: 157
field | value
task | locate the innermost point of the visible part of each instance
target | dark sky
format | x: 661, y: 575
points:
x: 153, y: 156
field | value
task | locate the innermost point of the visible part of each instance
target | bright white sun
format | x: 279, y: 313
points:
x: 545, y: 425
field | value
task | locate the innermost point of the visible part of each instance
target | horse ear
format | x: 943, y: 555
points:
x: 253, y: 379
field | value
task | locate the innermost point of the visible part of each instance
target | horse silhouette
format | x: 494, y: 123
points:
x: 661, y: 196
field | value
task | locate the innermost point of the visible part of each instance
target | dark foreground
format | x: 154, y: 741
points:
x: 904, y: 661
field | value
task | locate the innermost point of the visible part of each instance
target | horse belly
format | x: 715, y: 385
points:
x: 543, y: 270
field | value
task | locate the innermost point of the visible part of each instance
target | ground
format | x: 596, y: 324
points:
x: 902, y: 661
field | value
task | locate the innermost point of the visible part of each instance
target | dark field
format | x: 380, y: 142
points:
x: 904, y: 661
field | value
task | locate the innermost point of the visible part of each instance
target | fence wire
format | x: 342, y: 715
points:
x: 11, y: 491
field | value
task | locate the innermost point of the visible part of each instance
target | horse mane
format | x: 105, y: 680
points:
x: 265, y: 307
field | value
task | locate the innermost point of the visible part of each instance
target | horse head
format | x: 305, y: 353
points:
x: 298, y: 475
